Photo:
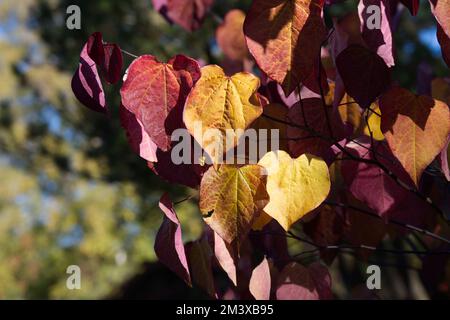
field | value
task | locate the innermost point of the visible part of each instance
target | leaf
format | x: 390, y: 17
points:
x: 295, y: 186
x: 187, y: 174
x: 305, y: 141
x: 86, y: 84
x: 221, y: 103
x: 350, y: 113
x: 440, y: 9
x: 415, y: 127
x: 230, y: 36
x: 189, y: 14
x: 374, y: 123
x: 362, y: 229
x: 112, y: 63
x: 326, y: 229
x: 94, y: 47
x: 261, y: 221
x: 443, y: 160
x: 378, y: 40
x: 297, y: 282
x: 169, y: 244
x: 231, y: 199
x: 107, y: 56
x: 155, y: 93
x: 364, y: 73
x: 285, y: 37
x: 444, y: 41
x: 369, y: 183
x: 200, y: 256
x: 260, y: 281
x: 275, y: 248
x: 224, y: 254
x: 138, y: 139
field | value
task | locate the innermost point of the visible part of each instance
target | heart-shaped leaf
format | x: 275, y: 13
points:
x: 295, y: 186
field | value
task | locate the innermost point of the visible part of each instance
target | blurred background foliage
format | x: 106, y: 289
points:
x: 72, y: 191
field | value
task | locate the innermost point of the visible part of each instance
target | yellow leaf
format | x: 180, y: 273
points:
x: 295, y: 186
x: 218, y: 104
x: 374, y: 122
x: 231, y: 198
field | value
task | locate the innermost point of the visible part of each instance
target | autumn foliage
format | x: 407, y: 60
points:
x: 358, y: 159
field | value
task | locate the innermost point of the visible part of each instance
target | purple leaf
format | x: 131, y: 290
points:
x: 225, y: 255
x: 112, y: 63
x: 378, y: 40
x: 169, y: 244
x: 369, y: 183
x: 86, y: 84
x: 200, y: 256
x: 260, y: 281
x: 297, y: 282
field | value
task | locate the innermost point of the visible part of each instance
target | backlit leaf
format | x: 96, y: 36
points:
x: 169, y: 246
x: 138, y: 139
x: 295, y: 186
x: 284, y: 37
x: 416, y: 128
x: 219, y: 104
x: 444, y: 41
x: 230, y: 36
x: 441, y: 9
x: 155, y: 92
x: 231, y: 199
x: 297, y: 282
x: 86, y: 84
x: 260, y: 281
x: 189, y: 14
x: 364, y: 73
x: 379, y: 40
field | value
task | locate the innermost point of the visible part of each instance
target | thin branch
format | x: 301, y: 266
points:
x: 391, y: 221
x: 129, y: 53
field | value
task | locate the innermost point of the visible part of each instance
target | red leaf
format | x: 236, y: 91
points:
x: 155, y: 92
x: 169, y: 244
x: 112, y: 63
x: 95, y: 48
x: 106, y: 55
x: 86, y: 84
x: 364, y: 73
x: 138, y: 139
